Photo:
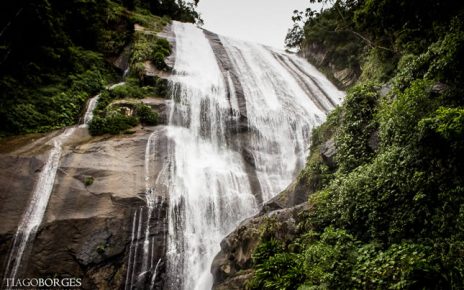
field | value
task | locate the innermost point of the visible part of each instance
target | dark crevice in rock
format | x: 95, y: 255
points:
x: 226, y: 67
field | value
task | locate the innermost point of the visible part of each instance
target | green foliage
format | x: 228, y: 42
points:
x: 180, y: 10
x: 328, y: 259
x: 358, y: 126
x: 394, y: 268
x: 146, y: 19
x: 280, y: 271
x: 329, y: 33
x: 52, y: 106
x: 317, y: 173
x: 275, y: 269
x: 161, y: 50
x: 389, y: 216
x: 399, y: 24
x: 267, y: 249
x: 56, y: 64
x: 446, y: 122
x: 130, y: 90
x: 148, y: 47
x: 375, y: 68
x: 109, y: 115
x: 369, y: 37
x: 54, y: 55
x: 328, y: 129
x: 146, y: 114
x: 114, y: 123
x: 399, y: 119
x: 88, y: 180
x: 163, y: 46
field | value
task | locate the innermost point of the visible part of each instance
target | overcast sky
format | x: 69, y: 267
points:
x: 263, y: 21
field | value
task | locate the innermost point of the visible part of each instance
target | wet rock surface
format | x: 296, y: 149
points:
x: 92, y: 249
x: 231, y: 267
x: 86, y: 231
x: 18, y: 176
x: 227, y: 69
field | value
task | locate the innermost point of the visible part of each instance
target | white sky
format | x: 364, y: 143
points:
x: 263, y: 21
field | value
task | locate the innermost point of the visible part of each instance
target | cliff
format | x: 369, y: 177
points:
x: 379, y: 202
x: 320, y: 56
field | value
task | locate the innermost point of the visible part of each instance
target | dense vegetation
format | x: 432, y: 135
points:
x: 369, y: 37
x: 54, y: 54
x: 390, y: 213
x: 115, y: 118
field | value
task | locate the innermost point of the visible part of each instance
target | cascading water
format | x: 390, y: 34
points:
x: 142, y: 269
x: 93, y: 102
x: 210, y: 188
x: 279, y: 110
x: 33, y: 216
x: 91, y: 107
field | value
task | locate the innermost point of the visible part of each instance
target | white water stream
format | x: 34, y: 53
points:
x: 32, y: 217
x: 208, y: 179
x: 142, y: 268
x: 209, y: 187
x: 92, y: 104
x: 35, y: 211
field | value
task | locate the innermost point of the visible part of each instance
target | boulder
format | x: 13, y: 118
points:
x: 328, y: 152
x: 231, y: 267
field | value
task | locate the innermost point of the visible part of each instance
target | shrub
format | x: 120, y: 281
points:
x: 88, y: 180
x: 328, y: 259
x: 358, y: 124
x: 130, y: 90
x: 114, y: 123
x: 161, y: 50
x: 146, y: 114
x: 396, y: 267
x: 445, y: 122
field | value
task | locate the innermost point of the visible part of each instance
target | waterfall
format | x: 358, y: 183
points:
x: 209, y: 190
x: 33, y: 216
x: 141, y: 271
x: 210, y: 181
x: 279, y: 110
x: 90, y: 108
x: 92, y: 104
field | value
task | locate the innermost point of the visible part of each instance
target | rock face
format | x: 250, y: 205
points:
x: 231, y: 267
x: 328, y: 152
x: 86, y: 231
x: 227, y: 69
x: 317, y: 55
x: 296, y: 194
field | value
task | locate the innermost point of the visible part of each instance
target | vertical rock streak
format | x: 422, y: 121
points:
x: 209, y: 190
x: 281, y: 112
x: 209, y: 177
x: 141, y: 270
